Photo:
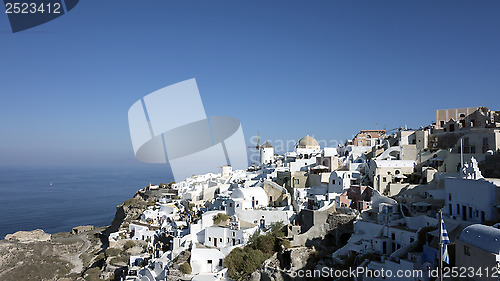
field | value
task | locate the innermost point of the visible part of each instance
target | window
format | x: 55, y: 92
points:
x: 458, y: 209
x: 393, y: 236
x: 220, y: 262
x: 234, y: 233
x: 209, y: 238
x: 441, y: 123
x: 485, y: 145
x: 230, y: 204
x: 296, y: 181
x: 397, y: 172
x: 466, y: 250
x: 220, y: 240
x: 449, y: 196
x: 412, y: 239
x: 466, y: 141
x: 209, y: 261
x: 333, y: 181
x: 384, y: 179
x: 472, y: 149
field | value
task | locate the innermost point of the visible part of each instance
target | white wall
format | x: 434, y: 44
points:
x: 269, y: 216
x: 201, y: 256
x: 222, y: 237
x: 475, y: 195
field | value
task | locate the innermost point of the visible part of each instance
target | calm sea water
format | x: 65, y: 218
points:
x: 77, y: 196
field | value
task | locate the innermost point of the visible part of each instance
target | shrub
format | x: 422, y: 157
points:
x: 111, y: 252
x: 241, y: 262
x: 278, y: 229
x: 92, y: 274
x: 185, y: 268
x: 116, y: 260
x: 220, y: 217
x: 129, y: 244
x: 265, y: 243
x: 285, y: 243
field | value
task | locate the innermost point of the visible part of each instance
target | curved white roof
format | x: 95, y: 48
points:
x: 395, y: 163
x: 248, y: 192
x: 483, y: 237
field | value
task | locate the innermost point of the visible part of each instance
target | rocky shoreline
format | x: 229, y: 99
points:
x: 36, y: 255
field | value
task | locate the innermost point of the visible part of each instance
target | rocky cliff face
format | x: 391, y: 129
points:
x: 314, y: 252
x: 127, y: 211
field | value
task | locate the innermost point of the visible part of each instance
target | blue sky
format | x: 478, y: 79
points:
x: 284, y: 68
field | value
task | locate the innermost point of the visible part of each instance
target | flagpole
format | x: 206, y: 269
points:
x: 440, y: 265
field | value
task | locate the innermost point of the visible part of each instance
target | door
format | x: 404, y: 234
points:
x: 209, y: 266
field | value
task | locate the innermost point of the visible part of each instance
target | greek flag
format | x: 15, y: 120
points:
x: 445, y: 240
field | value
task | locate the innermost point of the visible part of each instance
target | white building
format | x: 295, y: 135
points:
x: 248, y: 198
x: 222, y: 237
x: 339, y: 182
x: 142, y: 232
x: 266, y: 153
x: 386, y: 174
x: 307, y: 147
x: 478, y: 247
x: 472, y: 200
x: 206, y: 260
x: 226, y: 170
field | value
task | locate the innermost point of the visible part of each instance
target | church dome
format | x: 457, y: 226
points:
x: 308, y: 142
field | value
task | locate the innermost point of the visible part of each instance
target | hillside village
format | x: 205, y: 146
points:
x: 377, y: 197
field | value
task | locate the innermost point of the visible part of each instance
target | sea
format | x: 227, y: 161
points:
x: 56, y: 199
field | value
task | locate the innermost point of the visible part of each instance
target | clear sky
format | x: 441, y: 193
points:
x: 283, y: 68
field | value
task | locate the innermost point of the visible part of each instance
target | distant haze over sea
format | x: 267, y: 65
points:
x: 57, y: 199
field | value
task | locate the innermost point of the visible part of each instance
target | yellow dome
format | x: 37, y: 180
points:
x: 308, y: 142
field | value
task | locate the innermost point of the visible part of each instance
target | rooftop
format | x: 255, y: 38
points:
x: 483, y: 237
